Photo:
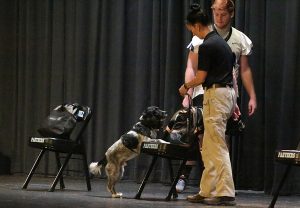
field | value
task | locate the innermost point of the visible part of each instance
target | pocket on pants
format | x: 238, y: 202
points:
x: 205, y: 108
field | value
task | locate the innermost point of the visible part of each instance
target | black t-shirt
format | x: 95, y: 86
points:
x: 216, y: 58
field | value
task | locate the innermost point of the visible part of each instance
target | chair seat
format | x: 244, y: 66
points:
x: 170, y: 152
x: 288, y: 157
x: 165, y: 150
x: 55, y: 144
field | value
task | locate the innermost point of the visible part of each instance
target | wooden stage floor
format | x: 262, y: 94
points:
x: 75, y: 195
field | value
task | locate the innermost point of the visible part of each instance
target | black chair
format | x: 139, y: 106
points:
x: 169, y: 152
x: 289, y: 158
x: 74, y: 145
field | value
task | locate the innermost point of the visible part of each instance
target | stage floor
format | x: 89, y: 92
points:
x: 76, y: 195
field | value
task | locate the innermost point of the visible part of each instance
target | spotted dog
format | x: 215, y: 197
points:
x: 128, y: 147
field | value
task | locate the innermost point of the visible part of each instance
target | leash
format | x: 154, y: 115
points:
x: 189, y: 118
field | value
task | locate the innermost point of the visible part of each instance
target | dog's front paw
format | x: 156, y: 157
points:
x: 117, y: 195
x: 163, y: 141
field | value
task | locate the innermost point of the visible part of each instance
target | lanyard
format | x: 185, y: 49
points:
x: 228, y: 36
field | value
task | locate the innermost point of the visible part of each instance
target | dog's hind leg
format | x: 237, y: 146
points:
x: 113, y: 175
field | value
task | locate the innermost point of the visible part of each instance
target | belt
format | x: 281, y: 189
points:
x: 217, y: 85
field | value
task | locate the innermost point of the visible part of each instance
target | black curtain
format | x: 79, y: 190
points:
x: 273, y: 27
x: 120, y: 56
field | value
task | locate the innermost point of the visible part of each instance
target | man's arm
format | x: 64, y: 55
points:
x: 198, y: 79
x: 246, y: 76
x: 190, y: 71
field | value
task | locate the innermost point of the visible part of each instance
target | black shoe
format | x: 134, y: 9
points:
x: 197, y: 198
x: 220, y: 201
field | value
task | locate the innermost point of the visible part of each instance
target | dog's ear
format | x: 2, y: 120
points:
x: 145, y: 115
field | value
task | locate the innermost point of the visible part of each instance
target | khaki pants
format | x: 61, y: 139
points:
x: 216, y: 180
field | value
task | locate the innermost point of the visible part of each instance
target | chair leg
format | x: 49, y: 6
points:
x: 86, y: 171
x: 138, y: 195
x: 60, y: 172
x: 276, y: 194
x: 36, y: 163
x: 173, y: 189
x: 171, y: 170
x: 61, y: 180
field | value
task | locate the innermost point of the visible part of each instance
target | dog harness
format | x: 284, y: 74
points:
x: 142, y: 129
x: 130, y: 141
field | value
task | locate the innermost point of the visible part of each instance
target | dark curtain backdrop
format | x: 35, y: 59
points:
x: 120, y: 56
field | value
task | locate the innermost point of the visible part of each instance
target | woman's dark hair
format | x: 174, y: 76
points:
x: 197, y: 15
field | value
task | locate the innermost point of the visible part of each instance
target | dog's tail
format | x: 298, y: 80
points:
x: 95, y: 167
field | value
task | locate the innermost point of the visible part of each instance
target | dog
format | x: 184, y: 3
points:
x: 129, y: 146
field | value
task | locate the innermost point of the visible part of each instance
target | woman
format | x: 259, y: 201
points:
x: 215, y: 63
x: 241, y: 45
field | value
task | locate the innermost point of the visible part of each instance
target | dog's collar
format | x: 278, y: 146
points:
x: 141, y: 129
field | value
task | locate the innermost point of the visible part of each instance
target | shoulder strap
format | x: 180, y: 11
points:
x: 228, y: 36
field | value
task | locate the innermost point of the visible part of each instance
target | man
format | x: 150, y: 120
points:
x: 240, y: 44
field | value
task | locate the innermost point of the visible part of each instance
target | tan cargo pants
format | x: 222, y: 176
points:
x: 216, y: 180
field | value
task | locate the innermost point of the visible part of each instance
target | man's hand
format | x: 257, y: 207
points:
x: 236, y: 113
x: 251, y: 107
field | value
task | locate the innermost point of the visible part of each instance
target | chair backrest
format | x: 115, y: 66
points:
x: 85, y: 114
